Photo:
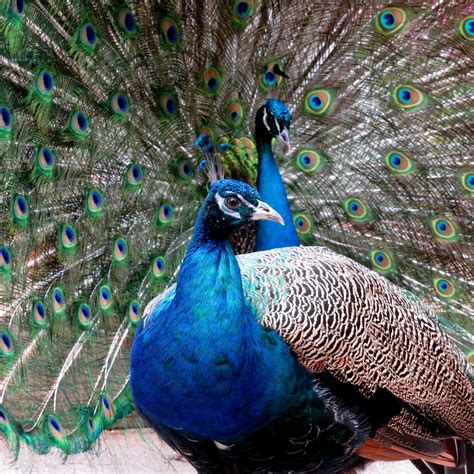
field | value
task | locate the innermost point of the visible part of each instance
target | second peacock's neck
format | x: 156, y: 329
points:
x: 270, y: 186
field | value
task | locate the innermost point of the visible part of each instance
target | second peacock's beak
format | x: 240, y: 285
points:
x: 263, y: 212
x: 284, y: 139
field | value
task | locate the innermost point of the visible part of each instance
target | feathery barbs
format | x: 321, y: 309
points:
x: 100, y: 105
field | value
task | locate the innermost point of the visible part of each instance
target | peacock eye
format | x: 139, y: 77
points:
x: 232, y: 203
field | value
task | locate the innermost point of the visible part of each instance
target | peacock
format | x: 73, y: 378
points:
x: 100, y: 105
x: 314, y: 360
x: 273, y: 121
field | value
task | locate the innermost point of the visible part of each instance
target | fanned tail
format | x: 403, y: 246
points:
x: 381, y: 163
x: 100, y: 104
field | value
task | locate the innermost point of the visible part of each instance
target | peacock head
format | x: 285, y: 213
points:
x: 232, y: 204
x: 273, y: 120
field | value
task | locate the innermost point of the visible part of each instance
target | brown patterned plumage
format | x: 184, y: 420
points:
x: 337, y: 314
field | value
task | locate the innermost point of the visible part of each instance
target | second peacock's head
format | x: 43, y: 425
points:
x: 232, y: 204
x: 273, y: 120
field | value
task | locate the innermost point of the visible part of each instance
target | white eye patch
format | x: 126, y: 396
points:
x: 275, y: 121
x: 221, y: 203
x: 265, y: 122
x: 277, y: 125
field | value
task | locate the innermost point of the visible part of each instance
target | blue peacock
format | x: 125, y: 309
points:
x: 100, y: 104
x: 289, y: 380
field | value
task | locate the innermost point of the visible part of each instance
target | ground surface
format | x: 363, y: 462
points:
x: 129, y: 452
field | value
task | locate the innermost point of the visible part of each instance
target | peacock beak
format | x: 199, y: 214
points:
x: 263, y: 212
x: 284, y: 139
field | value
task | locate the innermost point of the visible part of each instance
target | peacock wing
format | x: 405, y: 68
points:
x: 337, y: 315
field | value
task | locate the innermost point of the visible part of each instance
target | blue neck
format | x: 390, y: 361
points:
x: 271, y: 235
x: 211, y: 369
x: 211, y: 266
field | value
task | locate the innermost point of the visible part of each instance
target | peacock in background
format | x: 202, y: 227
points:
x: 100, y: 105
